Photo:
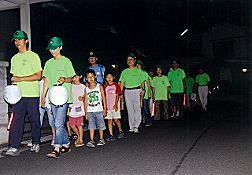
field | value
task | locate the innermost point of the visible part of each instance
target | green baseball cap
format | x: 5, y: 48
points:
x: 54, y: 43
x: 132, y: 55
x: 139, y: 62
x: 19, y: 34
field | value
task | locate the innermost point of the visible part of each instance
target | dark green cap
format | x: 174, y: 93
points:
x: 54, y: 43
x: 139, y: 62
x: 19, y: 34
x: 132, y: 55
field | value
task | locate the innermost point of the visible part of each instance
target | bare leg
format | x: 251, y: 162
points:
x: 110, y: 126
x: 91, y: 134
x: 118, y: 123
x: 80, y: 136
x: 101, y: 134
x: 68, y: 128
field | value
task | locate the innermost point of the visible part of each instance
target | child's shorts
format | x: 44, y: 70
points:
x: 96, y: 120
x: 76, y: 121
x: 112, y: 114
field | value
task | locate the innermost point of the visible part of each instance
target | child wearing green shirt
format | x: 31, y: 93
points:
x: 161, y: 88
x: 189, y: 88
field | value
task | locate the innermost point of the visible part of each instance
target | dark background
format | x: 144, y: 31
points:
x: 113, y: 28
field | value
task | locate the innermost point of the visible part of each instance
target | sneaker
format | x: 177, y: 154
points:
x: 101, y: 142
x: 52, y: 143
x: 110, y: 139
x: 120, y: 135
x: 35, y: 148
x: 29, y: 144
x: 148, y: 124
x: 177, y: 114
x: 131, y: 130
x: 136, y: 130
x: 12, y: 152
x: 91, y: 144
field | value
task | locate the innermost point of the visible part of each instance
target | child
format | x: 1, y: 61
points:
x: 161, y: 88
x: 77, y: 109
x: 112, y: 92
x: 95, y: 108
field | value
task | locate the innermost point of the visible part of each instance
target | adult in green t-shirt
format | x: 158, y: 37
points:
x: 189, y: 88
x: 176, y: 77
x: 161, y: 88
x: 147, y: 94
x: 26, y: 71
x: 58, y: 69
x: 133, y: 81
x: 202, y: 82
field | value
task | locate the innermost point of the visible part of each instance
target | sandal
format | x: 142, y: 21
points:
x: 54, y: 154
x: 64, y: 150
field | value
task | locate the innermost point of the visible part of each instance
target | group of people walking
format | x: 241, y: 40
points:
x: 96, y: 97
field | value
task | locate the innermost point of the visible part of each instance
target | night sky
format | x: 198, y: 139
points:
x: 112, y: 28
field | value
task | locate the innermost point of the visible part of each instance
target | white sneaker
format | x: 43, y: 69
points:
x: 12, y: 152
x: 135, y: 130
x: 177, y: 114
x: 131, y: 130
x: 52, y: 142
x: 29, y: 144
x: 35, y: 148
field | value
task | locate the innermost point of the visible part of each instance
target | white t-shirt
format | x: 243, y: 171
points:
x: 77, y: 108
x: 94, y: 99
x: 47, y: 103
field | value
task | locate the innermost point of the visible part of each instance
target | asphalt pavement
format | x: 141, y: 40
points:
x: 214, y: 142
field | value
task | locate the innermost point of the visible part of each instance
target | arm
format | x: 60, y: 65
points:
x: 103, y: 101
x: 86, y: 104
x: 116, y: 102
x: 121, y: 84
x: 168, y: 91
x: 34, y: 77
x: 45, y: 89
x: 149, y: 87
x: 62, y: 80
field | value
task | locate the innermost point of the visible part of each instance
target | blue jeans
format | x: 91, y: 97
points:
x: 146, y: 107
x: 49, y: 115
x: 61, y: 137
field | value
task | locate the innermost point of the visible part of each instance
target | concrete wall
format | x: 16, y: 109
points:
x: 3, y: 105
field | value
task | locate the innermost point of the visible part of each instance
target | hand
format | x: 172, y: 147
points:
x: 81, y: 98
x: 115, y: 107
x: 62, y: 80
x: 105, y: 112
x: 142, y: 93
x: 86, y: 116
x: 43, y: 102
x: 16, y: 79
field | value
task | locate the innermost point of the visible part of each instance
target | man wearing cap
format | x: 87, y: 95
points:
x: 58, y: 70
x: 26, y: 70
x: 133, y: 81
x: 98, y: 68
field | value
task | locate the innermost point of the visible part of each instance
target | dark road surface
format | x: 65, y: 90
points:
x: 217, y: 142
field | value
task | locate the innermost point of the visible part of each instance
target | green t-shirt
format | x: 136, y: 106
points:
x: 26, y: 64
x: 189, y: 85
x: 160, y: 84
x: 146, y: 77
x: 176, y: 80
x: 54, y: 69
x: 132, y: 77
x: 202, y: 79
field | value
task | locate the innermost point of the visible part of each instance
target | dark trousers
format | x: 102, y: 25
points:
x: 161, y: 109
x: 146, y: 110
x: 29, y: 105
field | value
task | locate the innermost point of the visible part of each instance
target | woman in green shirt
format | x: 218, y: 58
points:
x: 132, y: 79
